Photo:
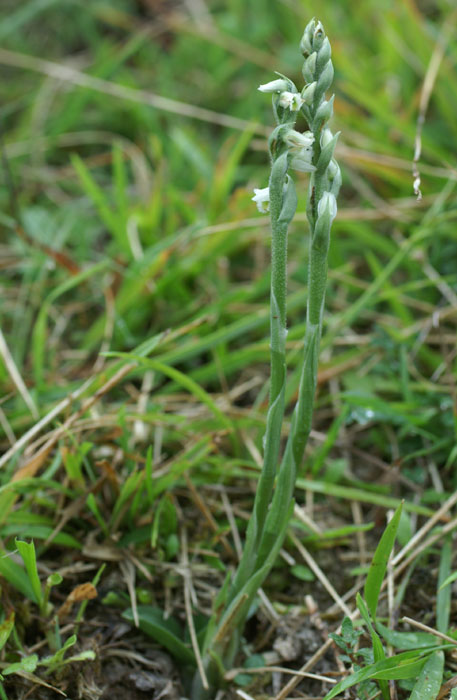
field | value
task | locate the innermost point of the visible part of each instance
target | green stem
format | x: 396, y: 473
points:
x: 275, y: 414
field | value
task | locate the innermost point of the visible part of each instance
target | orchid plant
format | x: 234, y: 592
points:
x: 310, y: 152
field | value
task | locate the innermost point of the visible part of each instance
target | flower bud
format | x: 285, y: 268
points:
x: 327, y: 206
x: 306, y: 43
x: 297, y: 140
x: 324, y: 80
x: 334, y: 177
x: 326, y: 137
x: 318, y: 36
x: 327, y: 150
x: 324, y: 54
x: 307, y: 93
x: 309, y: 68
x: 278, y: 85
x: 323, y: 113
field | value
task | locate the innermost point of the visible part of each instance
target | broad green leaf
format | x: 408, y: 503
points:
x: 431, y: 677
x: 27, y: 552
x: 378, y: 566
x: 406, y: 665
x: 28, y: 664
x: 167, y: 632
x: 57, y: 659
x: 16, y: 576
x: 405, y: 640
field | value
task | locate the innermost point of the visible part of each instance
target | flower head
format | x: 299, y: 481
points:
x: 262, y: 199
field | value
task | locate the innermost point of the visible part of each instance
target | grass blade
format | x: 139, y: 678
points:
x: 443, y: 597
x: 378, y: 649
x: 406, y: 665
x: 28, y: 554
x: 166, y: 632
x: 378, y: 566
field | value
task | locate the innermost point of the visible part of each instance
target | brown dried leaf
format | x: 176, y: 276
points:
x: 85, y: 591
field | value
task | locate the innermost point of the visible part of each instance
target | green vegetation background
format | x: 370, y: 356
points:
x: 127, y: 217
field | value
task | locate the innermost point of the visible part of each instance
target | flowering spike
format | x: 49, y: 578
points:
x: 310, y: 152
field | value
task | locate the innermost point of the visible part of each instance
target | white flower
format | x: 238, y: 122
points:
x: 327, y: 205
x: 303, y: 161
x: 262, y: 199
x: 279, y: 85
x: 297, y: 140
x: 291, y: 100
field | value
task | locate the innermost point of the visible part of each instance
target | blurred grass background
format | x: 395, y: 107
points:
x: 126, y: 216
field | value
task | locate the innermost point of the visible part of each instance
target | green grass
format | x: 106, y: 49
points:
x: 134, y: 260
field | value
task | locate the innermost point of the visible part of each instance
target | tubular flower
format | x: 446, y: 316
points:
x: 279, y: 85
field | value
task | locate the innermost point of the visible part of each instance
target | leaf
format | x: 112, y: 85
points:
x: 450, y: 579
x: 405, y: 640
x: 111, y: 219
x: 443, y: 597
x: 28, y: 664
x: 39, y: 330
x: 6, y: 628
x: 16, y: 576
x: 431, y: 677
x: 302, y: 572
x: 88, y: 655
x: 378, y: 650
x: 167, y: 632
x: 27, y: 552
x: 378, y: 566
x: 406, y: 665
